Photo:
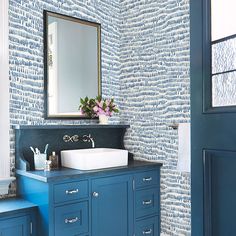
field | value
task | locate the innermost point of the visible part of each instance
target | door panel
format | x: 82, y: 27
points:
x: 19, y: 226
x: 220, y: 199
x: 112, y: 204
x: 213, y: 135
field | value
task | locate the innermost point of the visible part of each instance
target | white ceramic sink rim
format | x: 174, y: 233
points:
x: 94, y: 158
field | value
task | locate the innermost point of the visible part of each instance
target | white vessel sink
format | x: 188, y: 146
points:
x: 94, y: 158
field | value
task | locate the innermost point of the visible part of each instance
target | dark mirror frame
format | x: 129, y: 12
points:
x: 45, y: 40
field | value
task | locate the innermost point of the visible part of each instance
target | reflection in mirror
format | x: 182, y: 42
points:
x: 223, y: 41
x: 72, y: 64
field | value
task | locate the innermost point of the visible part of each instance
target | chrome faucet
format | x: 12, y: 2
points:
x: 76, y: 138
x: 88, y: 138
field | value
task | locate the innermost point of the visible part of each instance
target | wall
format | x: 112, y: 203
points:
x: 155, y: 87
x: 26, y: 56
x: 145, y: 67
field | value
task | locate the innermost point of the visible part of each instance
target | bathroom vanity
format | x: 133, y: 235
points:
x: 120, y: 201
x: 17, y: 217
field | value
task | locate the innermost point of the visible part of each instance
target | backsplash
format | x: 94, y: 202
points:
x: 145, y: 67
x: 155, y: 87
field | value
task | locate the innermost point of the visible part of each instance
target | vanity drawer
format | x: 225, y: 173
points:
x: 146, y: 179
x: 70, y: 191
x: 148, y: 227
x: 71, y: 219
x: 147, y: 202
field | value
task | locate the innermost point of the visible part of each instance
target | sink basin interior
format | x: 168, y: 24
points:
x: 94, y: 158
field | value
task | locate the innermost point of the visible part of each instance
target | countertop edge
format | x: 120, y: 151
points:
x: 88, y: 126
x: 133, y: 165
x: 14, y: 205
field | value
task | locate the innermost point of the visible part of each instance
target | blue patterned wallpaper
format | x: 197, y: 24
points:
x: 155, y: 92
x: 145, y: 67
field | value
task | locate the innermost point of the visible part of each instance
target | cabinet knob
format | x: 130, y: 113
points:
x: 95, y: 194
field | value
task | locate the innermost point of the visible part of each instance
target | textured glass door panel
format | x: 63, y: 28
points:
x: 224, y: 56
x: 224, y: 89
x: 223, y: 18
x: 223, y: 53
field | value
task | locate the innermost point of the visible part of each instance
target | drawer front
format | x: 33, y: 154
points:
x: 146, y: 202
x: 70, y: 191
x: 147, y: 179
x: 71, y: 219
x: 147, y: 227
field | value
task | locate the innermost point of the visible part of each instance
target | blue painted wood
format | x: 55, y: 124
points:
x: 38, y: 136
x: 213, y: 139
x: 220, y: 178
x: 17, y: 217
x: 67, y: 173
x: 112, y: 209
x: 147, y: 202
x: 18, y: 226
x: 72, y: 219
x: 148, y: 226
x: 15, y: 205
x: 70, y: 191
x: 147, y: 179
x: 38, y: 193
x: 118, y: 195
x: 48, y: 190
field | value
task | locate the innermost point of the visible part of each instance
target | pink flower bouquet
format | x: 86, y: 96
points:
x: 98, y: 106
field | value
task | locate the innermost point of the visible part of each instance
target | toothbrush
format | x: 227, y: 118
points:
x: 37, y: 151
x: 31, y: 148
x: 46, y: 148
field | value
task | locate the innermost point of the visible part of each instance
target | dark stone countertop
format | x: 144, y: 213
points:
x: 67, y: 173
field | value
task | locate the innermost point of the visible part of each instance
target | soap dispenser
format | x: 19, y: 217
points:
x: 54, y: 161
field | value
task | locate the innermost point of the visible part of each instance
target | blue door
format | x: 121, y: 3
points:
x: 19, y: 226
x: 213, y: 118
x: 112, y: 206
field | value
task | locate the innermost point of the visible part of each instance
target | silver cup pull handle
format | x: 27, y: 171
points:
x: 72, y: 220
x: 149, y: 231
x: 147, y: 179
x: 147, y: 202
x: 72, y: 191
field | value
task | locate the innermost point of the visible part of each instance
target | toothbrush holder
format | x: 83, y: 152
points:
x: 39, y: 161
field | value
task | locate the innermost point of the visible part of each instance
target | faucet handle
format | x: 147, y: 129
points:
x: 88, y: 138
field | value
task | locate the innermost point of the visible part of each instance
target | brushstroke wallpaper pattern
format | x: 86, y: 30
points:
x: 145, y: 67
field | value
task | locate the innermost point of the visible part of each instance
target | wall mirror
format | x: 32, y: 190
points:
x: 72, y: 64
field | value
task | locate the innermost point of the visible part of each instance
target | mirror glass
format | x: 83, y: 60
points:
x: 72, y: 64
x: 223, y: 52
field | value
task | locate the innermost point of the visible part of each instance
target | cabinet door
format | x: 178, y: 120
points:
x: 112, y: 206
x: 19, y: 226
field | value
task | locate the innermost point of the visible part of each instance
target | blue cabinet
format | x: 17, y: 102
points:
x: 71, y: 219
x: 17, y: 218
x: 112, y: 206
x: 18, y: 226
x: 148, y: 227
x: 147, y: 203
x: 112, y: 202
